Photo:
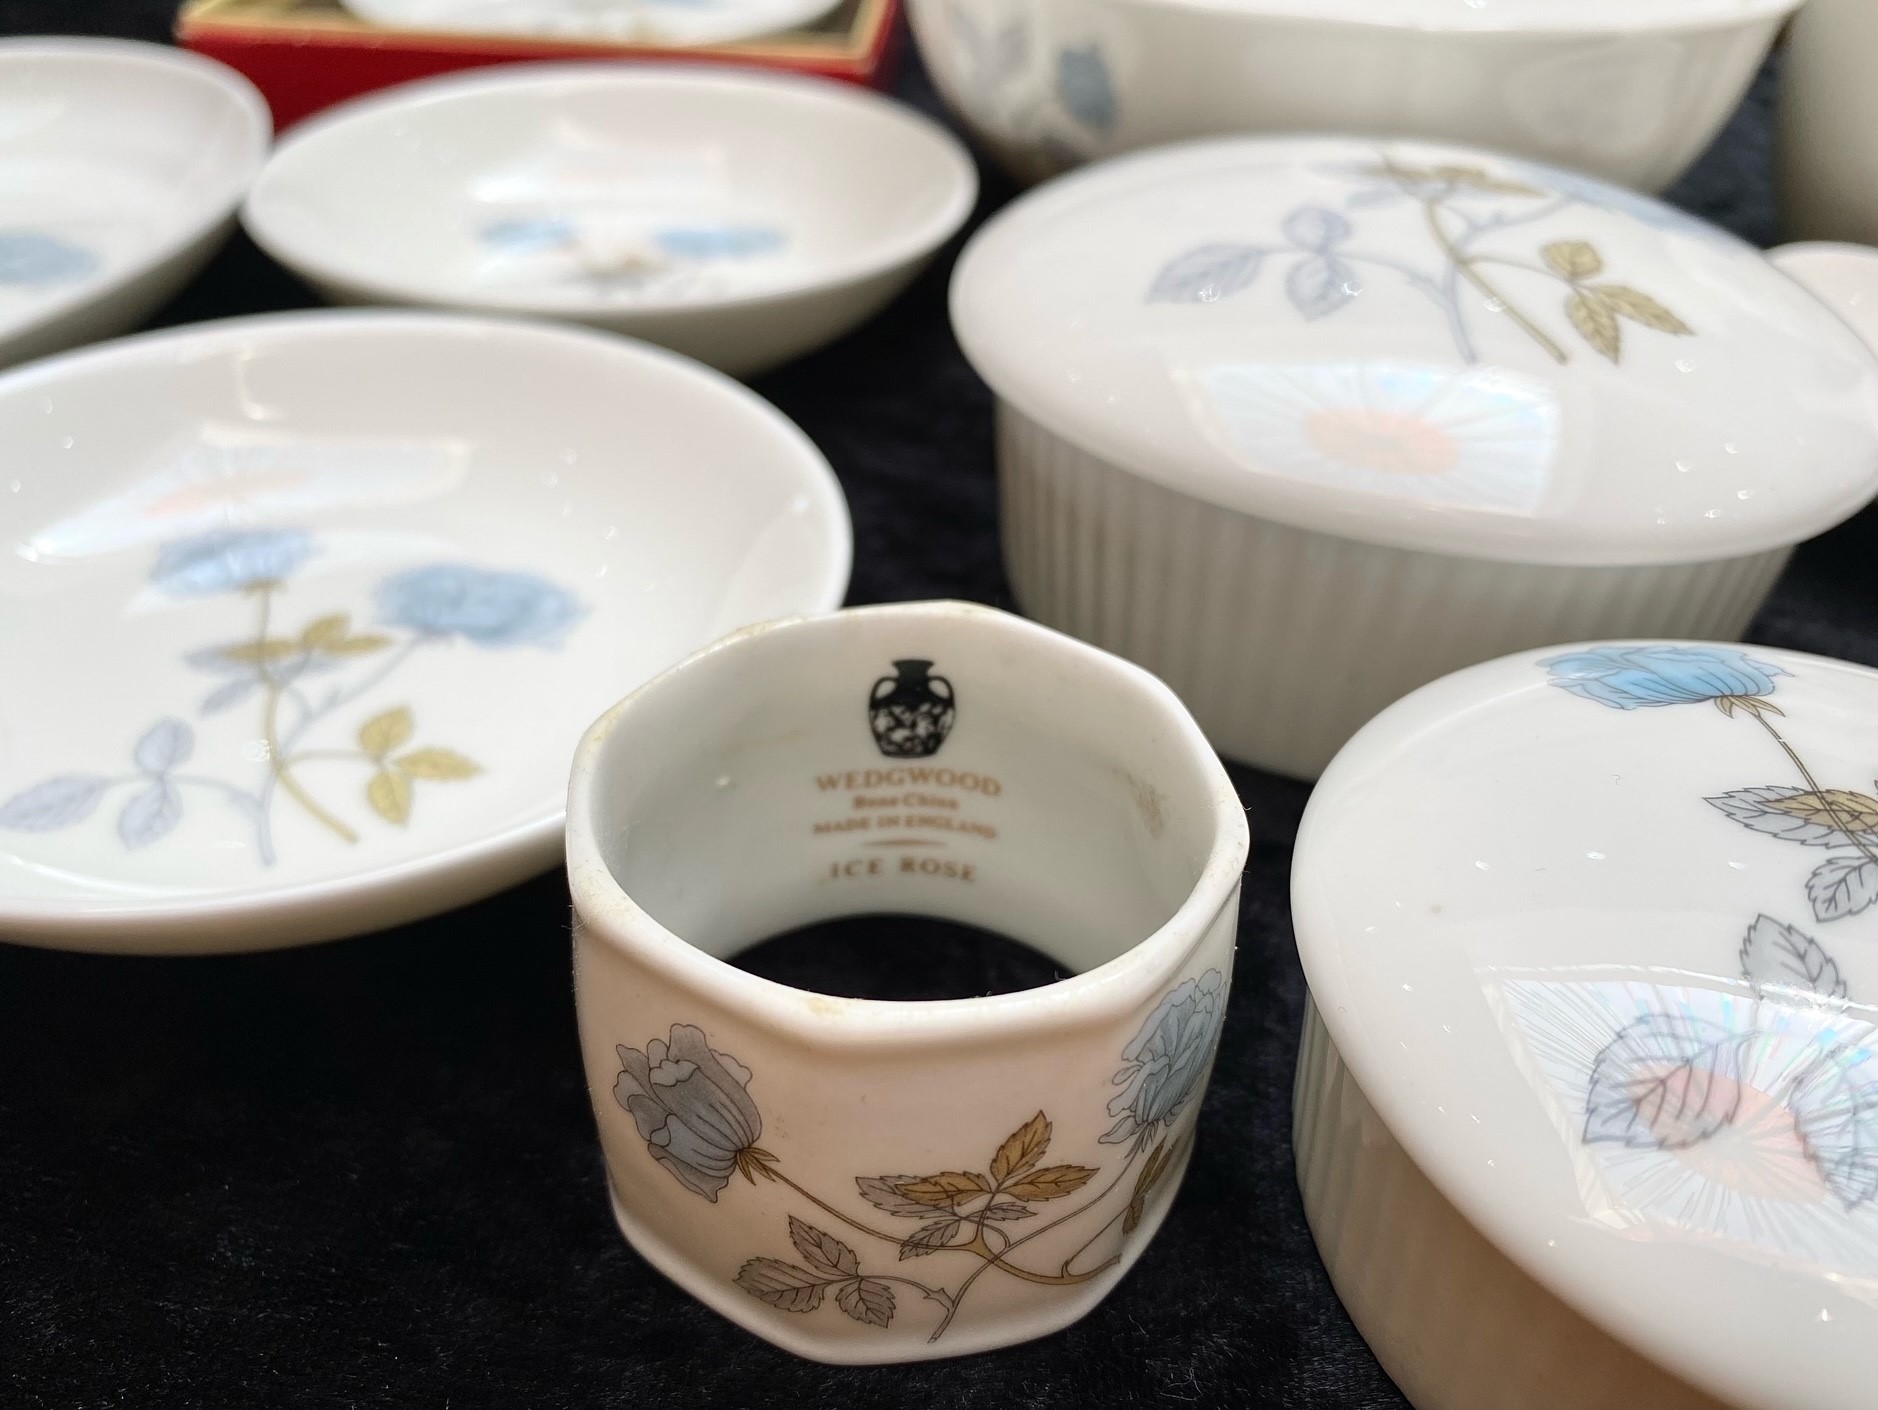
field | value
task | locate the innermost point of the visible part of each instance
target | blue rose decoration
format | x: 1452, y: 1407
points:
x: 26, y: 258
x: 492, y: 609
x: 228, y: 560
x: 692, y: 1107
x: 1645, y: 677
x: 1084, y: 87
x: 1167, y: 1060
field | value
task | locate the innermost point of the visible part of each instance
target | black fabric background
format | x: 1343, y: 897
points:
x: 364, y: 1174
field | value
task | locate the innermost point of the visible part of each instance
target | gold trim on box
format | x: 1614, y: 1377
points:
x: 326, y: 17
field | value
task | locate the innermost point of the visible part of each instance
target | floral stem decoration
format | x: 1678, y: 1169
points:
x: 275, y: 670
x: 1842, y: 820
x: 691, y: 1105
x: 1673, y: 1081
x: 1465, y: 211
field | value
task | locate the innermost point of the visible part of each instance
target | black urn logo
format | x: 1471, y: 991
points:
x: 911, y: 713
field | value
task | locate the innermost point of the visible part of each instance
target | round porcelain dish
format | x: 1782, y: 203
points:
x: 863, y: 1181
x: 349, y: 587
x: 121, y: 165
x: 644, y: 21
x: 741, y: 218
x: 1587, y: 1106
x: 1632, y: 90
x: 1303, y: 423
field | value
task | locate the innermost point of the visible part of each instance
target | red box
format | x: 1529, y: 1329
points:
x: 305, y: 55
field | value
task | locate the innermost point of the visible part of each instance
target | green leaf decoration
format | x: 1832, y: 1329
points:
x: 866, y: 1301
x: 1640, y: 308
x: 1475, y: 178
x: 823, y: 1251
x: 1052, y: 1182
x: 946, y: 1189
x: 1022, y: 1149
x: 385, y: 732
x: 781, y: 1284
x: 1596, y: 324
x: 390, y: 796
x: 1005, y: 1209
x: 1573, y: 259
x: 443, y: 765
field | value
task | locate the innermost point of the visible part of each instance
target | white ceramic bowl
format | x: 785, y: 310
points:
x: 345, y: 589
x: 1587, y: 1105
x: 1303, y: 423
x: 1828, y: 123
x: 121, y: 165
x: 741, y: 218
x: 1632, y: 90
x: 867, y: 1181
x: 638, y: 21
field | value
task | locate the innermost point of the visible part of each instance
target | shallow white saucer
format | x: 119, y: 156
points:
x: 304, y: 614
x: 120, y: 168
x: 654, y: 21
x: 741, y: 218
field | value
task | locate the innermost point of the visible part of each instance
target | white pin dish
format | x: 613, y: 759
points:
x: 1587, y: 1103
x: 121, y: 165
x: 643, y: 21
x: 740, y: 218
x: 1631, y: 90
x: 350, y: 586
x: 1300, y: 424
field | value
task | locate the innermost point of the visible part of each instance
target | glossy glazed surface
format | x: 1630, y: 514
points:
x: 1631, y: 91
x: 1428, y: 348
x: 656, y: 21
x: 864, y: 1181
x: 349, y: 587
x: 1609, y: 982
x: 120, y: 165
x: 713, y: 210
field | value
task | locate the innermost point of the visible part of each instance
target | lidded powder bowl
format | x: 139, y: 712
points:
x: 1302, y: 423
x: 1587, y: 1105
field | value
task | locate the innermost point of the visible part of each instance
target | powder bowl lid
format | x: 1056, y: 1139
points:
x: 1425, y: 346
x: 1611, y: 979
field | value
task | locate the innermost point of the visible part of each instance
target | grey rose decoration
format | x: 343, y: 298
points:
x: 692, y: 1107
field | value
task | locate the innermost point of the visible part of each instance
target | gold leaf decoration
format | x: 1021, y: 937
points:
x: 1052, y: 1182
x: 445, y: 765
x: 1158, y: 1161
x: 1574, y: 259
x: 1596, y: 324
x: 945, y: 1189
x: 390, y: 796
x: 387, y: 731
x: 363, y: 644
x: 1022, y: 1149
x: 1832, y: 807
x: 323, y: 631
x: 1640, y: 308
x: 1478, y: 179
x: 273, y: 649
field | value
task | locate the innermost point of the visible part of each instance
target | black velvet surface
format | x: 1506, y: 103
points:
x: 365, y: 1173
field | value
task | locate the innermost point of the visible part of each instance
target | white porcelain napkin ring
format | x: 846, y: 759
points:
x: 867, y: 1181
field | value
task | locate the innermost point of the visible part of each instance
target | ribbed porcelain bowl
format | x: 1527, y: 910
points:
x: 1630, y: 89
x: 1587, y: 1103
x: 1303, y: 423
